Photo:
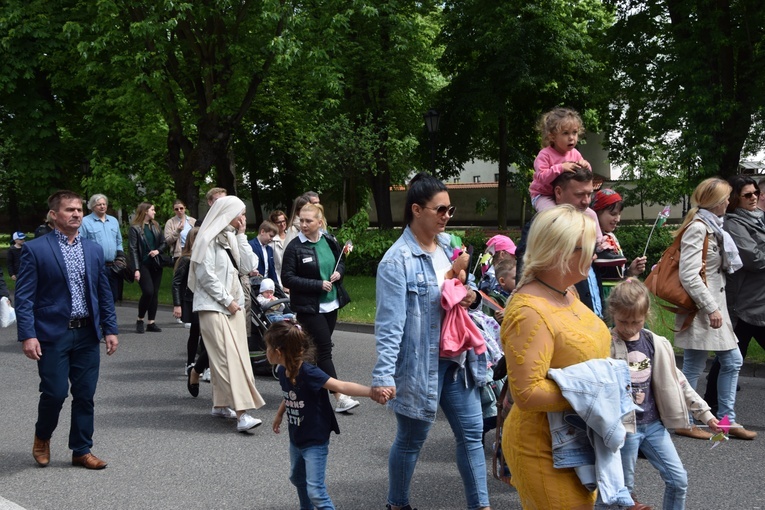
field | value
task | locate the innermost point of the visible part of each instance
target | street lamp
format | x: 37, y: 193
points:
x: 432, y: 119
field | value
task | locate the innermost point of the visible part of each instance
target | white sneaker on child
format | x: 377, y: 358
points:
x: 345, y: 403
x: 206, y: 375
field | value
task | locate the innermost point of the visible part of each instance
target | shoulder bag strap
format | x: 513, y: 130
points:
x: 231, y: 256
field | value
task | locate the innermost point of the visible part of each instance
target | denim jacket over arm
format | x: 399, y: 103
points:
x: 600, y: 391
x: 408, y: 329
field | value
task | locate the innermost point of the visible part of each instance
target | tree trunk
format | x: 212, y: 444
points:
x: 502, y: 182
x: 184, y: 182
x: 380, y: 185
x: 255, y: 197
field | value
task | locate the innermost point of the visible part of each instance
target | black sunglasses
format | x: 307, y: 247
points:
x: 755, y: 193
x: 443, y: 209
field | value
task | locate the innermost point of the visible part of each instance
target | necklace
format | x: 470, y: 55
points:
x: 561, y: 292
x: 430, y: 249
x: 562, y: 301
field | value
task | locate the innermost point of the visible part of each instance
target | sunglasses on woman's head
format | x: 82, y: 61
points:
x: 755, y: 193
x: 443, y: 209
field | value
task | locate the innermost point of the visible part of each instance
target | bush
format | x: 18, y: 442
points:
x: 369, y: 245
x: 477, y: 237
x: 632, y: 239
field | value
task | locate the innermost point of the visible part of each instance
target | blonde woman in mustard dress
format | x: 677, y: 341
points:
x: 546, y: 326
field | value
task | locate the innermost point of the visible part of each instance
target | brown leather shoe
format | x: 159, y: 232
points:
x: 741, y: 433
x: 694, y: 433
x: 41, y: 451
x: 89, y: 461
x: 638, y: 505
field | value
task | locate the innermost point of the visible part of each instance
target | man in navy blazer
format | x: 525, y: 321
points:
x: 261, y: 244
x: 64, y: 306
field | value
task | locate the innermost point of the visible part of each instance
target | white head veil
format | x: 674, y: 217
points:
x: 220, y: 215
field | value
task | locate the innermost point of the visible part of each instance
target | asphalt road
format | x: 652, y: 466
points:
x: 165, y: 451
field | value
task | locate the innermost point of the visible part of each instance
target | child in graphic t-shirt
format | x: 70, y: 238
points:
x: 658, y: 387
x: 310, y: 415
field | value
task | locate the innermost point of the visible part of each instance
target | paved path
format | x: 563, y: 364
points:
x: 166, y: 452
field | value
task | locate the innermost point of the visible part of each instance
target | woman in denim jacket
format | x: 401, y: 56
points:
x: 408, y: 331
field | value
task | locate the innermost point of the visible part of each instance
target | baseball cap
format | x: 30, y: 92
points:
x: 500, y: 243
x: 19, y: 236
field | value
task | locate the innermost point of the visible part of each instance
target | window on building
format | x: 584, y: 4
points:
x: 456, y: 180
x: 476, y: 178
x: 496, y: 177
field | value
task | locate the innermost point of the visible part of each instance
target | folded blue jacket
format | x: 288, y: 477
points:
x: 600, y: 391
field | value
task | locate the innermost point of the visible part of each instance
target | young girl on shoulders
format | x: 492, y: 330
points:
x: 658, y: 387
x: 560, y: 129
x: 310, y: 416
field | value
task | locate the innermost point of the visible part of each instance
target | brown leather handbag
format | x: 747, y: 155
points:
x: 664, y: 280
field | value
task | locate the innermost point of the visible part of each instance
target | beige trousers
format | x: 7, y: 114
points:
x: 226, y: 343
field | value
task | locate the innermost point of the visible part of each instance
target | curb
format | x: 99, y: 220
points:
x: 9, y: 505
x: 748, y: 369
x: 356, y: 327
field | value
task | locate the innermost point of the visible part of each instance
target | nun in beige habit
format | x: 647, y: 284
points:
x: 220, y: 255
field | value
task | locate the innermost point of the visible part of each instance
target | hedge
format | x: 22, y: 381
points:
x: 369, y: 245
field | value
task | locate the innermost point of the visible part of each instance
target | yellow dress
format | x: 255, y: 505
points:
x: 537, y: 336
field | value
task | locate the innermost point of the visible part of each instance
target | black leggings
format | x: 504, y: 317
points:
x: 320, y: 326
x: 203, y: 361
x: 744, y: 332
x: 151, y: 278
x: 193, y: 341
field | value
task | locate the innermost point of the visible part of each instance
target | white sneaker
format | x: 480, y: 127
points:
x: 178, y: 320
x: 206, y: 375
x: 188, y: 367
x: 187, y: 325
x: 345, y: 403
x: 223, y: 412
x: 247, y: 422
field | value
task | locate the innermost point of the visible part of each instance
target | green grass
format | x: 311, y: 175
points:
x: 362, y: 306
x: 361, y: 289
x: 663, y: 322
x: 132, y: 291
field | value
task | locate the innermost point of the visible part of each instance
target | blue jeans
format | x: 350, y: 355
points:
x: 655, y: 442
x: 309, y: 465
x: 460, y: 401
x: 694, y: 362
x: 74, y: 358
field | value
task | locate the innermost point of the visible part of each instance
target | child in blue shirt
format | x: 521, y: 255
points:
x: 310, y: 415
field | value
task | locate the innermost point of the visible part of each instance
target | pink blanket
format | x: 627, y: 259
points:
x: 458, y: 333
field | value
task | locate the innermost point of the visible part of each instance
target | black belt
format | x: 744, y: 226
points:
x: 79, y: 323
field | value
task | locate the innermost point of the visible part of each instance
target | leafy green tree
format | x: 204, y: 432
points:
x: 508, y: 62
x: 38, y: 119
x: 385, y: 61
x: 196, y: 67
x: 691, y: 78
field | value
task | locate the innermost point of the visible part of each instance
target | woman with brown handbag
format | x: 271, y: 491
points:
x: 711, y: 328
x: 746, y: 287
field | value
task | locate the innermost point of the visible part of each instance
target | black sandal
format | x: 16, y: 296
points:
x: 193, y: 388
